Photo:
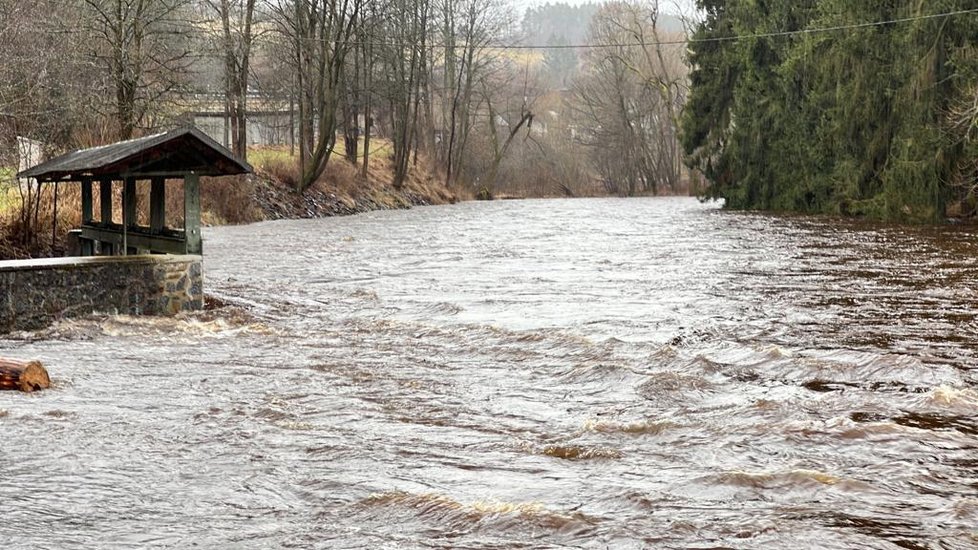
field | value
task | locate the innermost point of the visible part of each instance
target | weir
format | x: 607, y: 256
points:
x: 121, y: 267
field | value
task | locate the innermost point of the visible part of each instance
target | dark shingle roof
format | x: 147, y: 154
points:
x: 183, y: 151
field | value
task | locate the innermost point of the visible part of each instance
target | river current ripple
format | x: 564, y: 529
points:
x: 651, y: 373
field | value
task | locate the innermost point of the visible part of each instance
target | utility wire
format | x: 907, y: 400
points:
x: 672, y: 42
x: 735, y: 38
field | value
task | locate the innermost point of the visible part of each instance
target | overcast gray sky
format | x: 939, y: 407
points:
x: 685, y: 6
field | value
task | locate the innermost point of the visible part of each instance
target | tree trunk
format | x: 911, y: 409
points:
x: 368, y: 60
x: 23, y: 376
x: 367, y: 126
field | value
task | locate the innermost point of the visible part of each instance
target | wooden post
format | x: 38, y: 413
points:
x: 86, y: 192
x: 105, y: 197
x: 23, y: 376
x: 157, y: 206
x: 105, y: 200
x: 191, y: 213
x: 129, y: 216
x: 54, y: 222
x: 88, y: 215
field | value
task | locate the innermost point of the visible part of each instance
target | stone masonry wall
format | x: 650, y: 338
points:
x: 34, y: 293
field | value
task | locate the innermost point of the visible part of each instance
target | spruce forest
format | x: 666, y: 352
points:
x: 862, y: 108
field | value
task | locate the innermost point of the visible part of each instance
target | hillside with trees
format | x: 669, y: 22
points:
x: 571, y: 23
x: 868, y: 119
x: 351, y: 104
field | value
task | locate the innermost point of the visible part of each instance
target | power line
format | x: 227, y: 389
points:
x: 735, y: 38
x: 673, y: 42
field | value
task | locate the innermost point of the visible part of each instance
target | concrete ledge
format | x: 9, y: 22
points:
x: 82, y: 262
x: 34, y: 293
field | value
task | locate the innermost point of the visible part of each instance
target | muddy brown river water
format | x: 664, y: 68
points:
x: 541, y: 374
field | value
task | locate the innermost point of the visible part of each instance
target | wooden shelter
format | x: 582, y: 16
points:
x: 185, y: 154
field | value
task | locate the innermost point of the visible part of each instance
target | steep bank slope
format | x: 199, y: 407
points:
x: 269, y: 194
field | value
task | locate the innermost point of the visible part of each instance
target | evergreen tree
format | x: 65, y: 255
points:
x: 852, y: 121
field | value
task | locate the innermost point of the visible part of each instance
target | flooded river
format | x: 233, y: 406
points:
x: 539, y: 374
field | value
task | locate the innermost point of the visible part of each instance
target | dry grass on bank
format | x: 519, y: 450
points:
x: 343, y: 188
x: 268, y: 194
x: 43, y: 233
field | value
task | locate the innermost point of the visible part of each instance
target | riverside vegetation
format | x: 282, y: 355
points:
x: 877, y: 121
x: 816, y: 106
x: 379, y: 103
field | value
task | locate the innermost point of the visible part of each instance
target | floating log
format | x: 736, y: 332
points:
x: 25, y: 376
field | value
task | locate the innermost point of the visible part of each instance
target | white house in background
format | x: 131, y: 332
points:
x: 270, y: 122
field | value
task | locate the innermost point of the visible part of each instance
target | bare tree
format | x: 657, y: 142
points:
x: 140, y: 45
x: 236, y: 39
x: 46, y: 91
x: 403, y: 57
x: 322, y: 33
x: 629, y: 100
x: 467, y: 30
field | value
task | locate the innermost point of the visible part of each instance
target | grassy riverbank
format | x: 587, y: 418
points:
x: 269, y: 194
x: 344, y: 189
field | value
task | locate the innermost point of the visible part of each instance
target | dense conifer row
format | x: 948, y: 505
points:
x: 876, y: 121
